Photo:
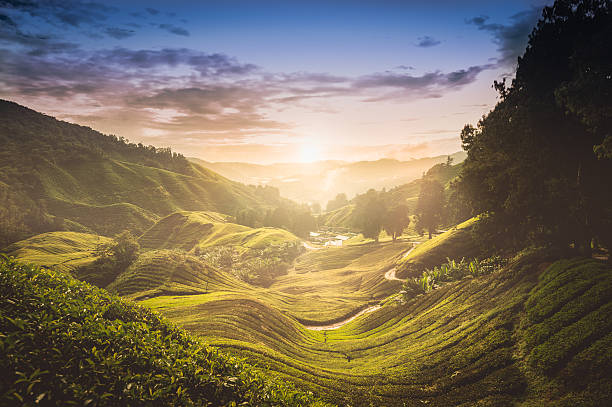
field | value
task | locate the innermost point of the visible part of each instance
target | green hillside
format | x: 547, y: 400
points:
x: 66, y: 343
x: 199, y: 230
x: 62, y: 251
x: 60, y: 176
x: 534, y: 333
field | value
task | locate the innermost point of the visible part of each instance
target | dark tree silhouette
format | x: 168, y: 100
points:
x: 430, y: 207
x: 396, y: 220
x: 370, y: 213
x: 531, y: 167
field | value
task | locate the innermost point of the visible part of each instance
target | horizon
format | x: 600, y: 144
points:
x: 269, y: 82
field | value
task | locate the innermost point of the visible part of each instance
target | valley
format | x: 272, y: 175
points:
x: 337, y: 324
x: 134, y: 274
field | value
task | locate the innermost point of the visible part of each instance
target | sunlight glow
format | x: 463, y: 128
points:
x: 309, y: 153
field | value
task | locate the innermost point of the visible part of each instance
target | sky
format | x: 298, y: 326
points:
x: 266, y: 81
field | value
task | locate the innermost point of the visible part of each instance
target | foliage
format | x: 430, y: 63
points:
x: 64, y: 342
x: 290, y: 216
x: 396, y: 220
x: 431, y: 204
x: 112, y: 259
x: 338, y: 202
x: 452, y: 270
x: 531, y: 166
x: 369, y: 214
x: 254, y: 266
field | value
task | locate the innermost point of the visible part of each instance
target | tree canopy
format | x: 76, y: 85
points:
x: 531, y: 167
x: 431, y: 204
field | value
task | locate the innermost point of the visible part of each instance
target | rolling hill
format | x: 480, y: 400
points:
x: 321, y: 181
x: 60, y: 176
x: 65, y: 342
x: 407, y: 194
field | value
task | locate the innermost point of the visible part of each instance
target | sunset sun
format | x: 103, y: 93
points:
x: 306, y: 203
x: 309, y: 153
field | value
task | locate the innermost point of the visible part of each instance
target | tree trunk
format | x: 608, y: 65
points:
x: 430, y: 234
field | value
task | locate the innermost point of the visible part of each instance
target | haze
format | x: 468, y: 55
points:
x: 266, y: 81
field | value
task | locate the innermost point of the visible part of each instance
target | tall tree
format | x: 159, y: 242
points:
x: 396, y: 220
x: 430, y: 207
x: 370, y: 213
x: 531, y: 168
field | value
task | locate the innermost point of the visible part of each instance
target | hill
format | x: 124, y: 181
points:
x: 533, y: 333
x: 407, y: 194
x: 190, y: 230
x: 60, y: 176
x: 321, y: 181
x: 65, y: 342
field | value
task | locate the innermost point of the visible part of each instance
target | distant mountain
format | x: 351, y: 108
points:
x: 56, y: 175
x: 407, y: 194
x: 321, y: 181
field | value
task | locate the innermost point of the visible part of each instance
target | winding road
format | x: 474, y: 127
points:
x: 389, y: 275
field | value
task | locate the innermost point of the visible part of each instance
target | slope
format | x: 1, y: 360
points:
x: 65, y: 342
x: 60, y: 176
x: 321, y: 181
x: 534, y: 333
x: 187, y: 231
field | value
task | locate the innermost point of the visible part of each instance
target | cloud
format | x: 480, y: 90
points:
x: 152, y: 11
x: 72, y: 13
x: 511, y: 38
x: 428, y: 85
x: 427, y: 41
x: 174, y: 29
x: 210, y: 65
x: 119, y: 33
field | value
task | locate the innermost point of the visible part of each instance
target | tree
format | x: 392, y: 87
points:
x: 396, y: 220
x: 338, y: 202
x: 113, y: 259
x: 430, y: 207
x: 531, y: 167
x: 370, y: 213
x: 302, y: 223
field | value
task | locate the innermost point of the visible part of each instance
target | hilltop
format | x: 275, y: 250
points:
x: 56, y: 175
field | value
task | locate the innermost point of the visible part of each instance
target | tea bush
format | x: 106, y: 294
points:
x: 65, y: 342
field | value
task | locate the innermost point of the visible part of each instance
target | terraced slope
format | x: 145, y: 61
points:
x: 67, y: 343
x: 532, y: 334
x: 190, y: 230
x: 310, y: 295
x: 62, y: 251
x: 60, y: 176
x: 172, y: 272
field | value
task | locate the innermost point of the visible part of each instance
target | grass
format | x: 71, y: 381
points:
x: 455, y: 244
x: 62, y: 251
x: 171, y: 272
x: 461, y: 344
x: 65, y: 342
x: 532, y: 333
x: 189, y: 231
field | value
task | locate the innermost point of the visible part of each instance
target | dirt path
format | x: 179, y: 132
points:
x: 341, y: 323
x: 390, y: 274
